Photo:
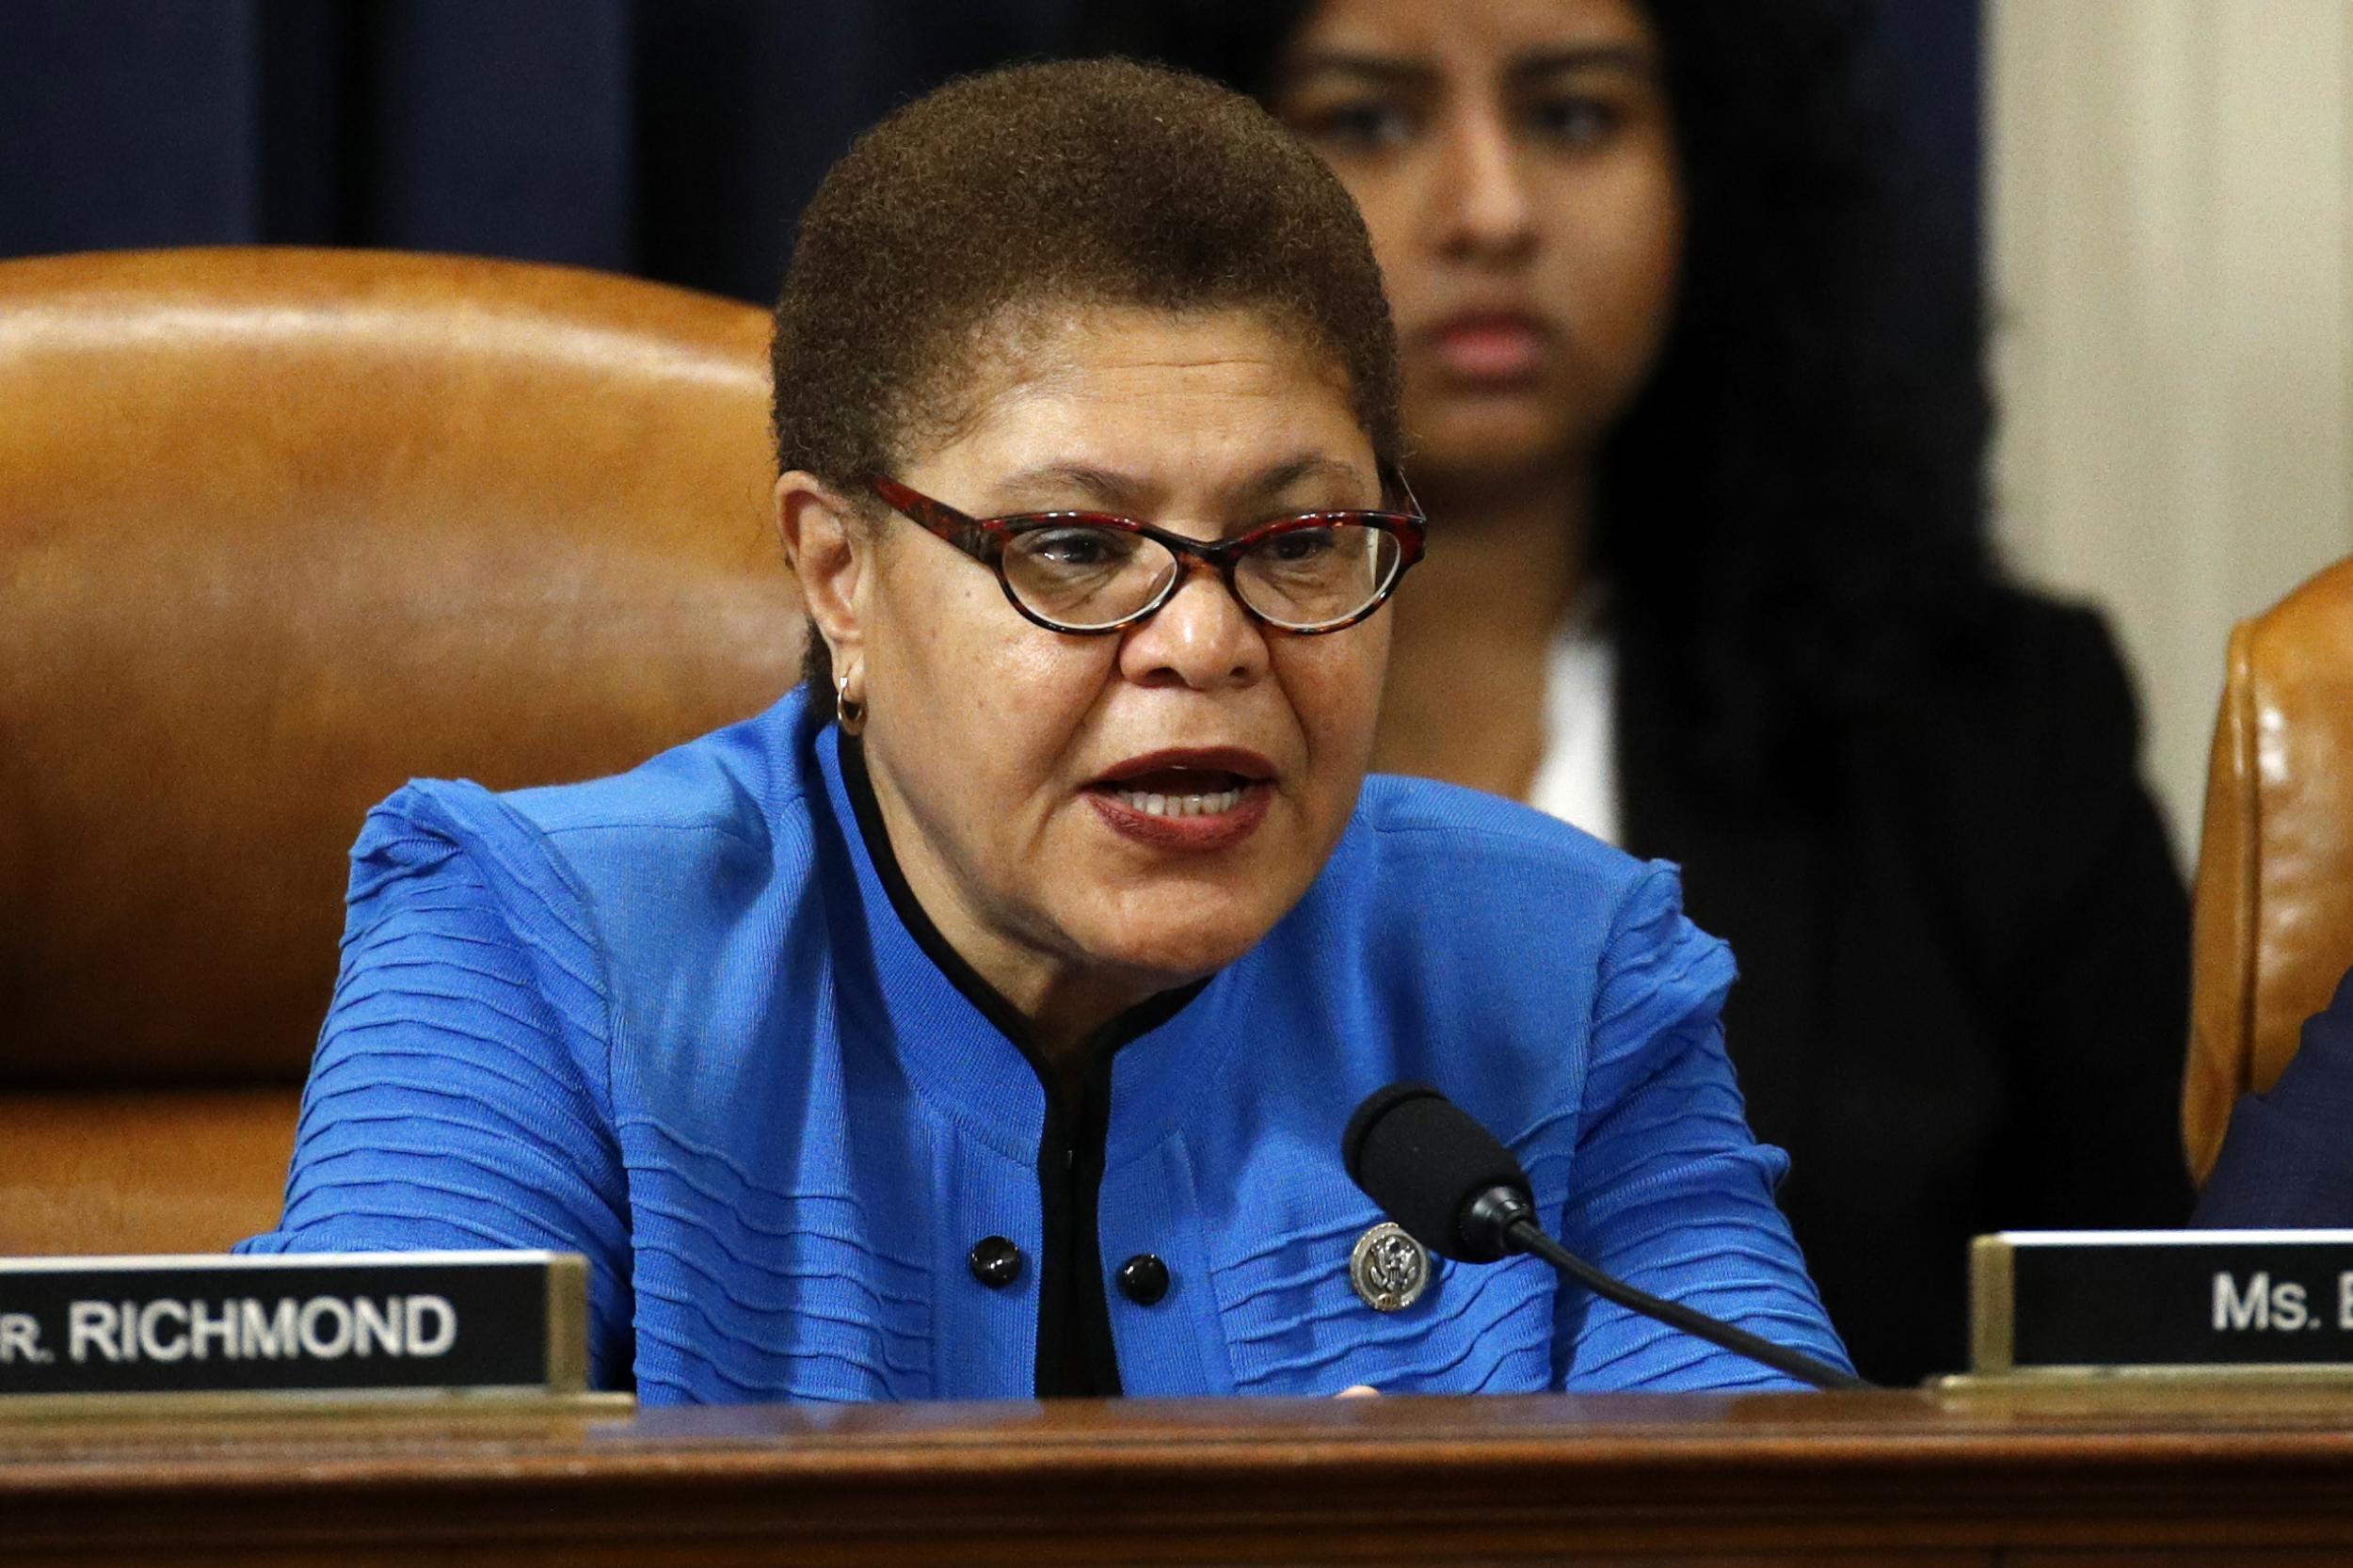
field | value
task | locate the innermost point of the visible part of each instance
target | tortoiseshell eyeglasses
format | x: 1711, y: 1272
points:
x: 1092, y: 571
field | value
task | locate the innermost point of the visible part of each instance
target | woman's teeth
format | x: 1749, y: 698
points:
x: 1181, y: 805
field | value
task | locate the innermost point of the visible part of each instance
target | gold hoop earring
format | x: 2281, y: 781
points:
x: 853, y: 714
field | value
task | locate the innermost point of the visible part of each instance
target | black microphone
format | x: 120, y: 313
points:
x: 1452, y: 1186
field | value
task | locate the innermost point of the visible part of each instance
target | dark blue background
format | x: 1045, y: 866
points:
x: 676, y: 139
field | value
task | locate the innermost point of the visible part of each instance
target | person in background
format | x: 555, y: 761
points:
x: 1699, y: 421
x: 982, y: 1020
x: 2287, y: 1159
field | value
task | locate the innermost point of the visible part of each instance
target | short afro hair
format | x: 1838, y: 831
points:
x: 1071, y: 184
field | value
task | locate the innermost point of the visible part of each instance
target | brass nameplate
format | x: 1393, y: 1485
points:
x: 2048, y: 1301
x: 315, y: 1324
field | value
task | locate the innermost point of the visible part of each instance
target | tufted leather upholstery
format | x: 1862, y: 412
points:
x: 278, y: 529
x: 2274, y: 904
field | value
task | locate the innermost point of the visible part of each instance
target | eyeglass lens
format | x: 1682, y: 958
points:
x: 1086, y: 578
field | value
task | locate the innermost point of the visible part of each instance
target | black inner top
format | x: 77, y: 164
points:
x: 1075, y: 1354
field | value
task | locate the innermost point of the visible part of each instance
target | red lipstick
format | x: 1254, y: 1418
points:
x: 1190, y: 798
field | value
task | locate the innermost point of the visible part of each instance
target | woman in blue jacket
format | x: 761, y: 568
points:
x: 982, y: 1019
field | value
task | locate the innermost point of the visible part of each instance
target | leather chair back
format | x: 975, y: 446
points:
x: 2274, y: 902
x: 278, y: 529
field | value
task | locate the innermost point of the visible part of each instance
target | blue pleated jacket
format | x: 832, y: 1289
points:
x: 675, y: 1020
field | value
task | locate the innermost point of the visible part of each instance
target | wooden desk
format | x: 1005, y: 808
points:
x: 2035, y: 1478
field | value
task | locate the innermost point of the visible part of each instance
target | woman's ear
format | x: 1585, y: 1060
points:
x: 819, y: 532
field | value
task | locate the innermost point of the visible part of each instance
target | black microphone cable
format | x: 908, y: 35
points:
x: 1453, y: 1186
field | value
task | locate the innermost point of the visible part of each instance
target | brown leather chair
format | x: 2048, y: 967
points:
x: 2274, y: 904
x: 280, y: 529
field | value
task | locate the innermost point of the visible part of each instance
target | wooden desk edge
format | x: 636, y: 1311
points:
x: 1277, y: 1481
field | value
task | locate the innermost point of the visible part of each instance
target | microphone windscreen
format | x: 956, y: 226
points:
x: 1424, y: 1160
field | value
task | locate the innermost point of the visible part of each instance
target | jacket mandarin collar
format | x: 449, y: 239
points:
x: 965, y: 1045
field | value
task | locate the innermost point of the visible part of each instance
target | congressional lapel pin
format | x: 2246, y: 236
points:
x: 1388, y: 1269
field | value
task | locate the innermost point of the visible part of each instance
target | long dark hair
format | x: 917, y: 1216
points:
x: 1789, y: 515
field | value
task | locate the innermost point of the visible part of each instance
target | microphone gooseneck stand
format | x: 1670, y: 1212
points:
x: 1454, y: 1187
x: 1525, y: 1237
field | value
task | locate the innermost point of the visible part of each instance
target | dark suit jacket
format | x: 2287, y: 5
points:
x: 1964, y: 972
x: 2288, y: 1160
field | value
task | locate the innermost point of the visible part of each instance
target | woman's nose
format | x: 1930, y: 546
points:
x: 1484, y: 207
x: 1201, y: 638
